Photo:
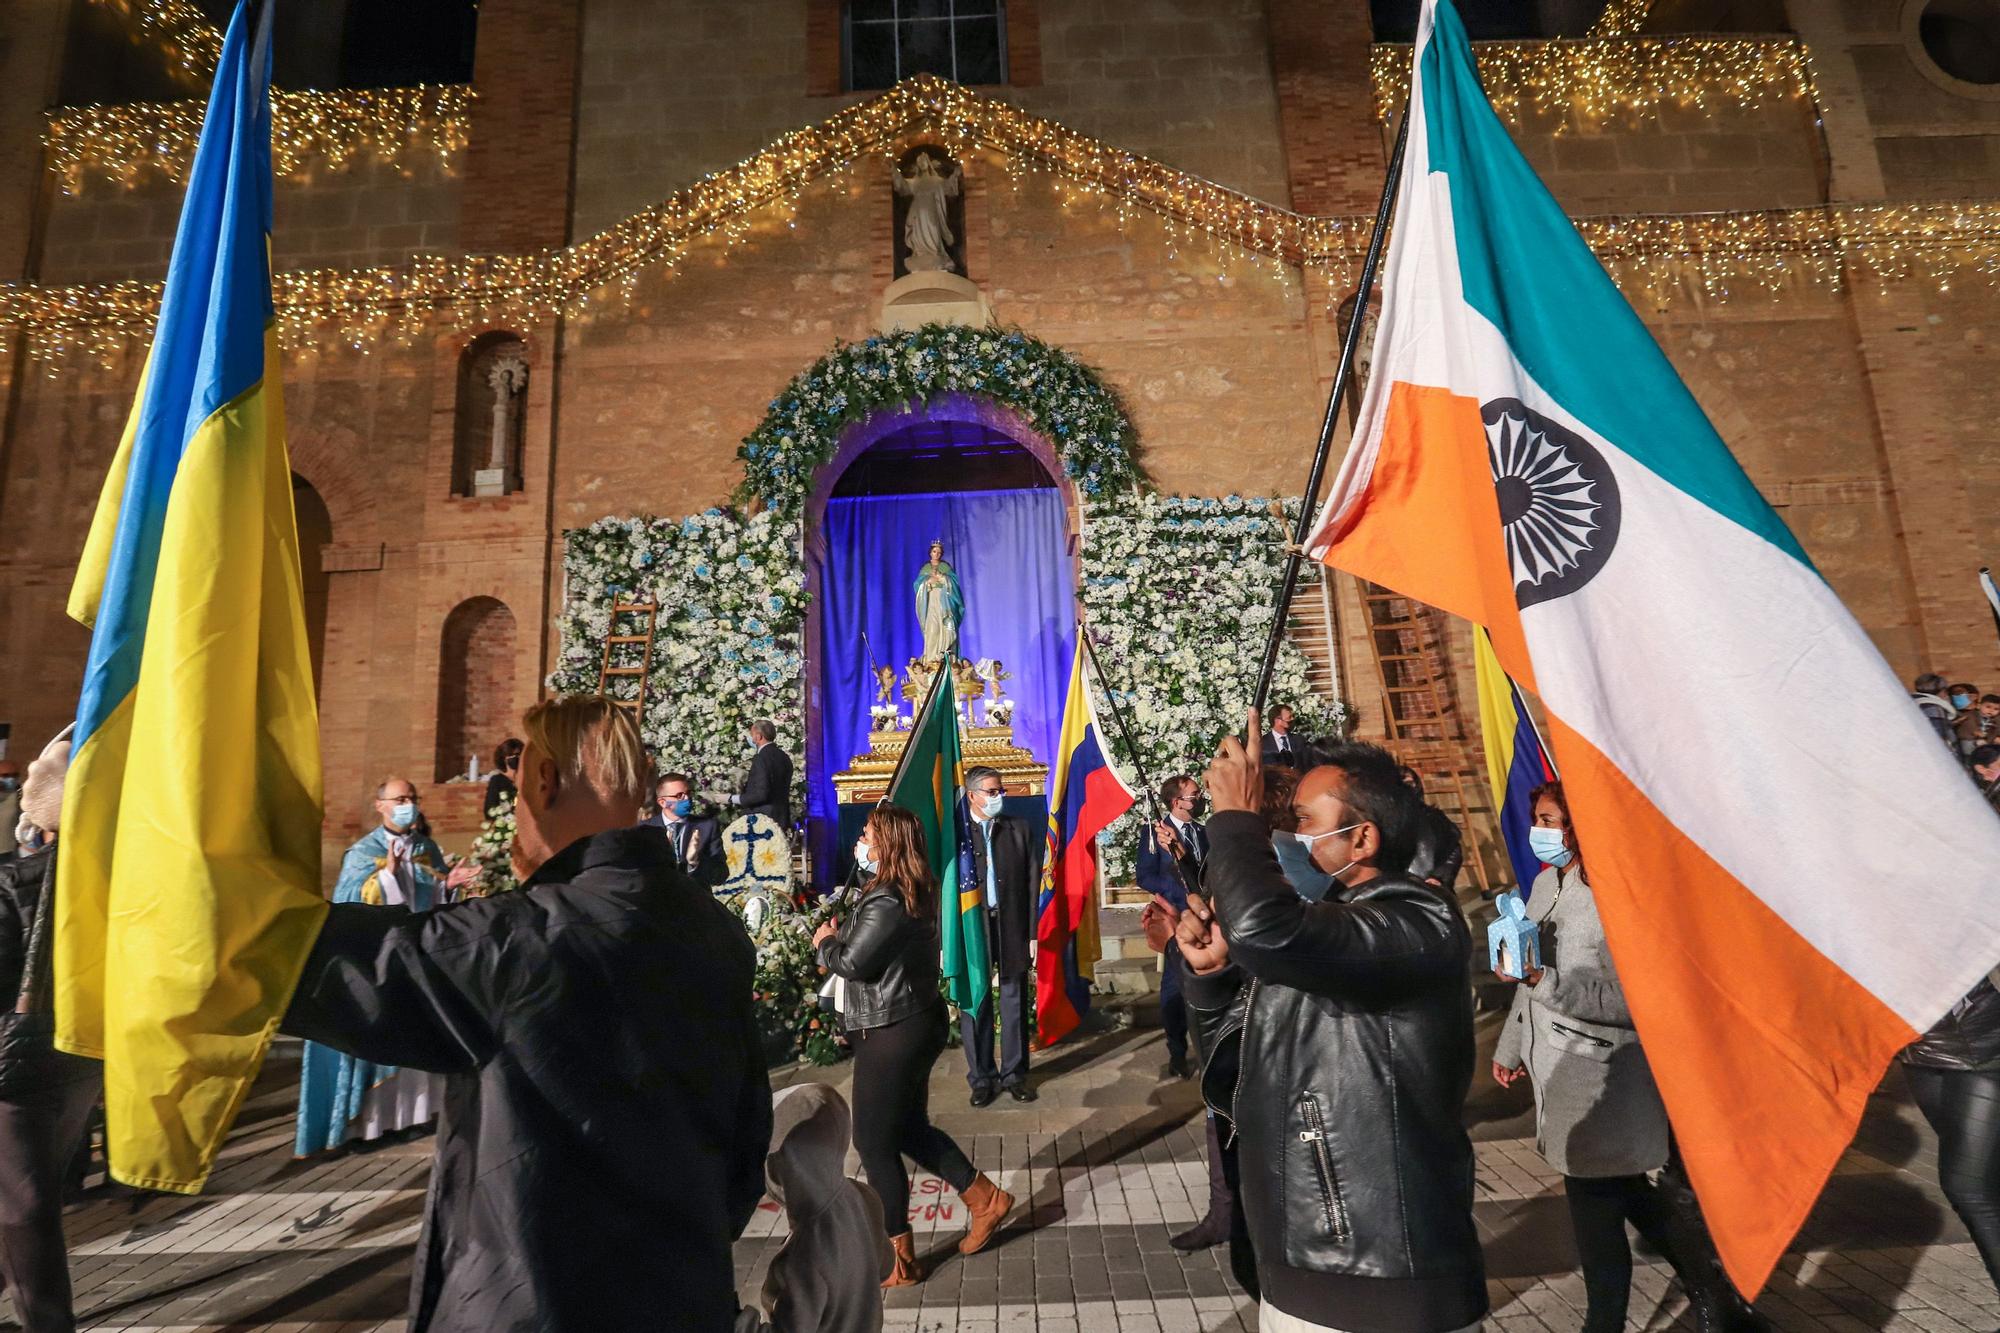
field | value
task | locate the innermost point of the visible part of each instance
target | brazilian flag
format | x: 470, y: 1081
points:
x: 927, y: 784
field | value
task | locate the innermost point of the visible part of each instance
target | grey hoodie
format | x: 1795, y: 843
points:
x: 827, y: 1278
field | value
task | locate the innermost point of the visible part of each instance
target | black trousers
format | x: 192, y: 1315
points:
x: 1963, y: 1106
x: 40, y: 1132
x: 975, y: 1029
x: 1599, y: 1208
x: 1173, y: 1009
x: 892, y: 1118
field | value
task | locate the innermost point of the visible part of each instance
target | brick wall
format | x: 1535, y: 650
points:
x: 517, y: 165
x: 475, y: 704
x: 1334, y: 156
x: 30, y: 46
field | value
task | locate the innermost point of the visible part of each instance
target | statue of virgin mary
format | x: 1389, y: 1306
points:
x: 940, y: 606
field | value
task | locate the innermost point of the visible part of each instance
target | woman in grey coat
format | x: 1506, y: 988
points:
x: 1598, y: 1116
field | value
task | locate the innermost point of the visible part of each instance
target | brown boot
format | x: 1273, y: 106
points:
x: 988, y: 1204
x: 906, y: 1272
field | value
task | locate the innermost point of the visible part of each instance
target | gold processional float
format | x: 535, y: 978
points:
x: 985, y: 730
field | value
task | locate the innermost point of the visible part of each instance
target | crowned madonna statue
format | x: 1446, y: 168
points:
x: 940, y: 606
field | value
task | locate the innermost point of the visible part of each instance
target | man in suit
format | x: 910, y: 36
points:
x: 1003, y: 868
x: 694, y: 833
x: 1177, y: 838
x: 1284, y: 748
x: 767, y: 790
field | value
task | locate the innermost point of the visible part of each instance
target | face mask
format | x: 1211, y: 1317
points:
x: 1961, y: 701
x: 864, y: 856
x: 990, y: 805
x: 684, y: 807
x: 1309, y: 840
x: 403, y: 815
x: 10, y: 784
x: 1548, y: 846
x: 1297, y: 863
x: 1199, y: 809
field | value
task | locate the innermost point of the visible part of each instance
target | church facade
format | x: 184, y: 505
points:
x: 573, y: 292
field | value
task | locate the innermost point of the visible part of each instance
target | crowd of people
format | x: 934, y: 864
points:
x: 608, y: 1123
x: 1968, y: 722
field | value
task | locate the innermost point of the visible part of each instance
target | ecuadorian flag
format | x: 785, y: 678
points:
x: 189, y: 856
x: 1751, y: 786
x: 1085, y: 796
x: 1516, y: 762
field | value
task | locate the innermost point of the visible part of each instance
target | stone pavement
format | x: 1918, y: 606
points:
x: 1108, y: 1163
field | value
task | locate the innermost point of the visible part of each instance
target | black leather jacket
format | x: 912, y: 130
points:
x: 1341, y: 1050
x: 889, y: 959
x: 28, y: 1057
x: 1967, y: 1037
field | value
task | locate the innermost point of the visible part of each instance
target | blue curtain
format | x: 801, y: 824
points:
x: 1010, y: 549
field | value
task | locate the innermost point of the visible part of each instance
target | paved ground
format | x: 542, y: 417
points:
x: 1109, y: 1162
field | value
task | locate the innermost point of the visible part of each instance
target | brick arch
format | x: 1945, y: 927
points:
x: 477, y: 652
x: 329, y: 457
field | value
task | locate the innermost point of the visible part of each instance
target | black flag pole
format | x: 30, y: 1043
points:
x: 1992, y: 595
x: 1350, y: 338
x: 1131, y: 748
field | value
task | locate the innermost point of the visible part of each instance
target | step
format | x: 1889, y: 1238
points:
x: 1127, y: 976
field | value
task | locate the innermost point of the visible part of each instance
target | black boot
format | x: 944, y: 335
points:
x: 1213, y: 1229
x: 1712, y: 1298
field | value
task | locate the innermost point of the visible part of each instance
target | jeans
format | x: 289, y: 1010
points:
x: 892, y: 1119
x: 40, y: 1132
x: 1963, y: 1106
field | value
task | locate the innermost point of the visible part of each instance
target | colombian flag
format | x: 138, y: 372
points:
x: 1745, y: 771
x: 1086, y: 795
x: 189, y: 856
x: 1516, y: 762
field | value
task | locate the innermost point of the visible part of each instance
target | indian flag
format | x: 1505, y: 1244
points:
x: 1794, y: 877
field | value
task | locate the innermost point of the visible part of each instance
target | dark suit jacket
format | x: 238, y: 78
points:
x: 1301, y: 758
x: 1014, y: 872
x: 1156, y: 868
x: 707, y: 853
x: 768, y: 788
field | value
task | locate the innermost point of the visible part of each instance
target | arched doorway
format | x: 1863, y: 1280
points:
x: 973, y: 474
x: 315, y: 527
x: 475, y: 683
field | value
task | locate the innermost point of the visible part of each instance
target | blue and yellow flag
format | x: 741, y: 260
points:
x: 188, y: 864
x: 1516, y: 760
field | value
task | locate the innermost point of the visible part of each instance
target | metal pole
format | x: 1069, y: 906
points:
x: 1309, y: 505
x: 1131, y: 748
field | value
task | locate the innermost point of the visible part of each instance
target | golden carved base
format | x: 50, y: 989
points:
x: 866, y: 780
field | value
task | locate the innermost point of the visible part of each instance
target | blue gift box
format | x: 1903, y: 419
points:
x: 1514, y: 941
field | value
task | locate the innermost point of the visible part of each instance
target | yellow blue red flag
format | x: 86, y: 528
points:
x: 188, y: 861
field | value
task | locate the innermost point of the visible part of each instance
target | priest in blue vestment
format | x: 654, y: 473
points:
x: 340, y: 1097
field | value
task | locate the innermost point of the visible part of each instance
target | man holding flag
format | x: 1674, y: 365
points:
x: 1526, y: 457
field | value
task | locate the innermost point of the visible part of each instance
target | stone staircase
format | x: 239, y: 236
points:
x: 1128, y: 975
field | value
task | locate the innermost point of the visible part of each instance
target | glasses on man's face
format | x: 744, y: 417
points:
x: 669, y: 797
x: 991, y: 791
x: 393, y: 799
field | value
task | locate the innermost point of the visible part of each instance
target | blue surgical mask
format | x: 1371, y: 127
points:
x: 990, y: 806
x: 1549, y: 848
x: 404, y: 814
x: 1307, y: 841
x: 864, y: 856
x: 1961, y: 701
x: 684, y: 807
x: 1297, y: 863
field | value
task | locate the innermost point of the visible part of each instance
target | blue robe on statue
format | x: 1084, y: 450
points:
x: 341, y: 1097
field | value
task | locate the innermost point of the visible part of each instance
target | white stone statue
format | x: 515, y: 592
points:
x: 508, y: 378
x: 926, y: 227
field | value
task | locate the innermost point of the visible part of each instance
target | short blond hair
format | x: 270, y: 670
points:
x: 594, y: 743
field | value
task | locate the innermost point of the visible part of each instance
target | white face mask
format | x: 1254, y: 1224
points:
x: 1311, y: 839
x: 864, y: 856
x: 990, y: 805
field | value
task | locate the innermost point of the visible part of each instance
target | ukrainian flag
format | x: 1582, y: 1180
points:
x: 1516, y: 760
x: 189, y: 848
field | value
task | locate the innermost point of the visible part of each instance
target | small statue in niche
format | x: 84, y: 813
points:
x: 927, y: 223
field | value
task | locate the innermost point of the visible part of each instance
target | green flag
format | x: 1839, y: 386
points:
x: 927, y: 785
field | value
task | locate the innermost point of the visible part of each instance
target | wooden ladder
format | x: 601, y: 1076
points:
x: 614, y: 640
x: 1314, y: 629
x: 1424, y: 725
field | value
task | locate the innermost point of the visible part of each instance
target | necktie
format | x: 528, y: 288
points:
x: 992, y: 887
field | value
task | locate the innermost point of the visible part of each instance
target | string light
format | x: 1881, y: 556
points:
x: 1591, y: 80
x: 1707, y: 256
x: 1622, y: 18
x: 178, y: 30
x: 309, y: 130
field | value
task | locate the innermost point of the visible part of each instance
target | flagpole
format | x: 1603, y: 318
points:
x: 1131, y: 748
x: 1350, y: 339
x: 903, y: 759
x: 1992, y: 595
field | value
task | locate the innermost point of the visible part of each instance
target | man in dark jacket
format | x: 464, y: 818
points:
x: 767, y: 787
x: 607, y: 1114
x: 45, y: 1095
x: 1170, y: 857
x: 1003, y: 870
x: 1341, y: 1034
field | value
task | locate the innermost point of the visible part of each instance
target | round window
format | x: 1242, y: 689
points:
x: 1956, y: 43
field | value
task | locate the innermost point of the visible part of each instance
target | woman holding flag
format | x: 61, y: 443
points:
x: 887, y: 953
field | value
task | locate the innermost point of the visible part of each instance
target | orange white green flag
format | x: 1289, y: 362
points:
x: 1794, y: 876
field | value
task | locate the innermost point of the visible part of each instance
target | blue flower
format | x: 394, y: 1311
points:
x: 731, y: 655
x: 745, y: 562
x: 702, y: 572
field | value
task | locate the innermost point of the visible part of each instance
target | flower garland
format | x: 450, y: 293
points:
x: 492, y: 853
x: 1059, y: 396
x: 1177, y: 593
x: 785, y: 989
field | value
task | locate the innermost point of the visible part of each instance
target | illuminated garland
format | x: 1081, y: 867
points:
x: 1595, y: 79
x: 178, y: 30
x: 1712, y: 254
x: 128, y: 144
x: 1622, y: 18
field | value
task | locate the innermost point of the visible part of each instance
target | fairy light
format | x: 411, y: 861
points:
x: 1622, y: 18
x: 1661, y: 258
x: 1594, y: 79
x: 126, y: 145
x: 186, y: 41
